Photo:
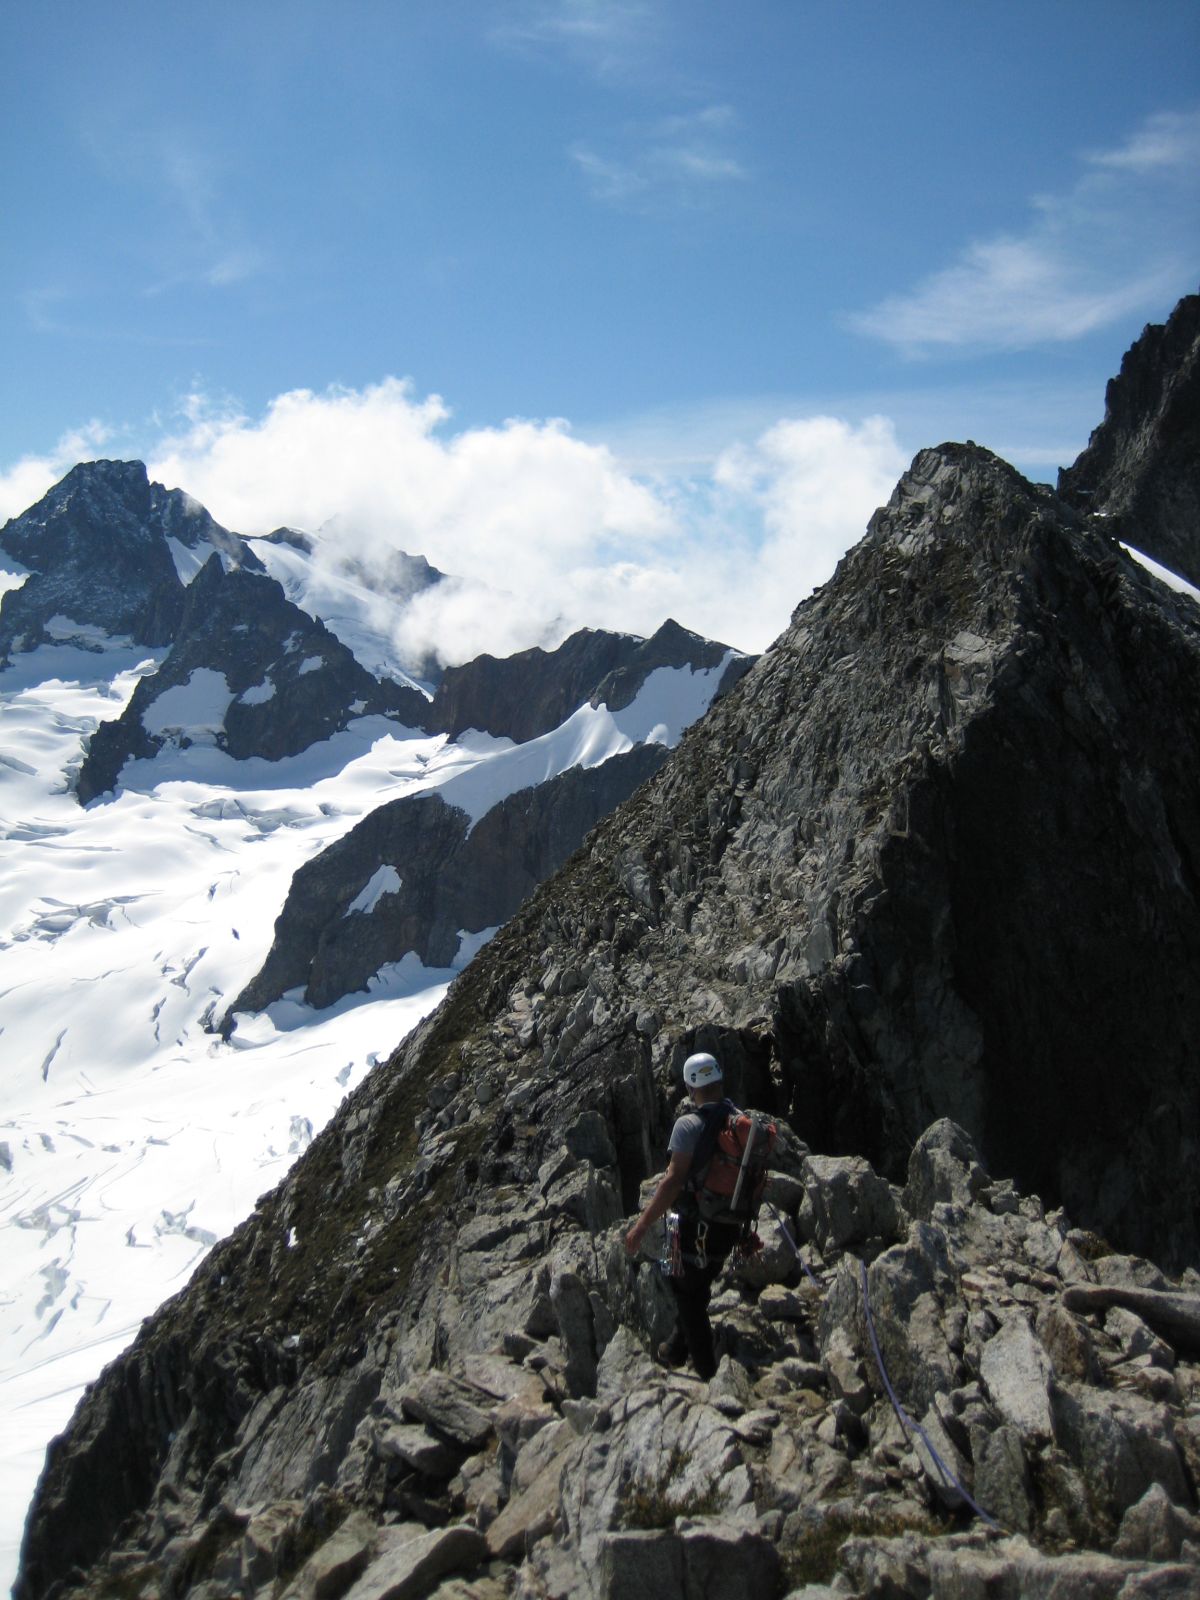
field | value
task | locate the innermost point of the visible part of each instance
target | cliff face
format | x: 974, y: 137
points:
x: 440, y: 877
x: 937, y: 855
x: 1141, y: 468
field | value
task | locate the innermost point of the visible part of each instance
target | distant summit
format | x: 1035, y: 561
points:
x: 107, y: 550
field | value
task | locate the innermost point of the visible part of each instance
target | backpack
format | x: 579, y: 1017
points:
x: 729, y: 1167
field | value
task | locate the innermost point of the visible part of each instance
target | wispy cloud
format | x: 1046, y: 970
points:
x: 609, y: 38
x: 197, y: 238
x: 1123, y: 239
x: 680, y: 159
x: 215, y: 250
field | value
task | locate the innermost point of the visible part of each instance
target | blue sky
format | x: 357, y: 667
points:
x: 698, y: 234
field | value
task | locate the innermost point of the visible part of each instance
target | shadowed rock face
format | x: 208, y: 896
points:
x: 452, y: 878
x: 96, y: 548
x: 936, y: 856
x: 1141, y: 469
x: 290, y: 682
x: 524, y: 695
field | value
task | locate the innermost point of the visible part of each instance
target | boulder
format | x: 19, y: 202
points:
x: 1015, y: 1371
x: 408, y: 1568
x: 846, y: 1202
x: 944, y: 1168
x: 450, y: 1408
x: 1155, y: 1530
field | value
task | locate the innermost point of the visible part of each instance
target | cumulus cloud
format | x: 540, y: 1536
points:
x: 542, y: 531
x: 1123, y: 239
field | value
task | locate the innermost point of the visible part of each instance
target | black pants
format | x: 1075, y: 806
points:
x: 693, y: 1334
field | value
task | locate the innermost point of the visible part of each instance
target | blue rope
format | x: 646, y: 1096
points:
x: 795, y: 1250
x: 906, y: 1422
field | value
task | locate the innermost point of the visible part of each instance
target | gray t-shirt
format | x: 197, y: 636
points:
x: 685, y: 1135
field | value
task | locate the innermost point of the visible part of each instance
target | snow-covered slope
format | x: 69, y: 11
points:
x: 360, y: 613
x: 132, y: 1136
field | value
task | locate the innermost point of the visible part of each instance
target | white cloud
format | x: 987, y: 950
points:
x: 1124, y: 239
x: 545, y: 532
x: 1168, y: 139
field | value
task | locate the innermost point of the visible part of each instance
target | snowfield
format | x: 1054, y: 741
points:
x: 131, y: 1137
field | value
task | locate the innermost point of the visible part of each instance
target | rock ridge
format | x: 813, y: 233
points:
x: 1140, y: 471
x: 247, y: 671
x: 525, y: 695
x: 447, y: 877
x: 928, y: 881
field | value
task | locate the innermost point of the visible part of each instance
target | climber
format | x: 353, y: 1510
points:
x: 704, y: 1246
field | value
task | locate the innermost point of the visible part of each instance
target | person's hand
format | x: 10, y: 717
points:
x: 633, y: 1239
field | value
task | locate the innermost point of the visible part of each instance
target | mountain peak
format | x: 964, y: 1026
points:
x: 1141, y: 468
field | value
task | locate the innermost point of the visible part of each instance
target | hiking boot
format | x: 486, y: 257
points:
x: 671, y: 1353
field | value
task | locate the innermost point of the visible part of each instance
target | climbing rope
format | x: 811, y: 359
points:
x: 783, y: 1228
x: 907, y: 1424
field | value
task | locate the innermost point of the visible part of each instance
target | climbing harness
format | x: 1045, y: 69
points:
x: 906, y: 1422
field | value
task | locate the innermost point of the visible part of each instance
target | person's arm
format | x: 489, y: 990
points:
x: 670, y: 1187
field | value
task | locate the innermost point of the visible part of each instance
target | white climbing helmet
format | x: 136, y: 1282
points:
x: 701, y: 1069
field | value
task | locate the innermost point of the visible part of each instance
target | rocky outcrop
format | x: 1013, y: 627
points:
x: 1141, y: 469
x: 414, y: 875
x: 96, y: 547
x: 527, y: 694
x: 917, y: 1412
x: 248, y: 672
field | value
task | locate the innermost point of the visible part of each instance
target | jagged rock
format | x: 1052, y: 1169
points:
x: 910, y: 1287
x: 1121, y: 1444
x: 1066, y: 1341
x: 334, y: 1566
x: 1002, y: 1481
x: 419, y: 1449
x: 446, y: 876
x: 573, y: 1310
x: 1128, y: 1272
x: 638, y: 1563
x: 1141, y: 469
x: 450, y: 1409
x: 655, y: 1462
x: 1015, y: 1569
x: 532, y: 1510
